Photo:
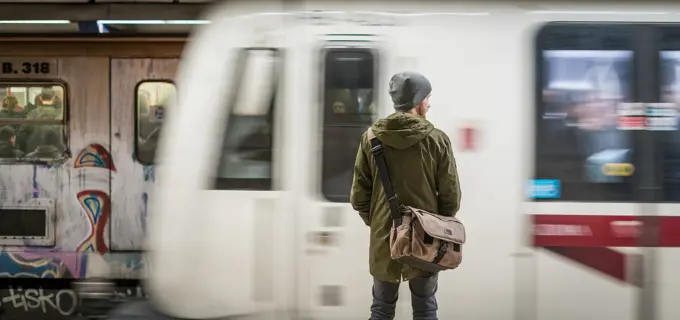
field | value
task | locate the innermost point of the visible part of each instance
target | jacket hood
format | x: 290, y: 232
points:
x: 402, y: 130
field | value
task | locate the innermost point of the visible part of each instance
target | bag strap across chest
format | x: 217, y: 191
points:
x: 392, y: 201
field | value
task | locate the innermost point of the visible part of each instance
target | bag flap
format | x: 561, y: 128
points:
x: 441, y: 227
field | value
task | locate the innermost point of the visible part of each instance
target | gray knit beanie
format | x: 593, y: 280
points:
x: 408, y: 89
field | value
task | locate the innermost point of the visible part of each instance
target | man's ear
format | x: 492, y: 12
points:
x: 420, y: 109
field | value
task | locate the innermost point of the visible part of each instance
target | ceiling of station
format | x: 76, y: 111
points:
x: 127, y: 16
x: 104, y: 1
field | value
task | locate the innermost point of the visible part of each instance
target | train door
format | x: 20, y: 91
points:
x: 336, y: 282
x: 250, y: 179
x: 141, y: 89
x: 603, y: 162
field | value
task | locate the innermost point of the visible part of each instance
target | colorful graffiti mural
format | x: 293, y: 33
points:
x: 97, y: 207
x: 66, y: 265
x: 96, y: 203
x: 38, y: 265
x: 94, y: 155
x: 39, y: 279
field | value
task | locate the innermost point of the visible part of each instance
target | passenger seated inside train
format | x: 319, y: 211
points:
x: 49, y: 146
x: 47, y: 97
x: 47, y: 106
x: 11, y: 108
x: 7, y: 143
x: 149, y: 131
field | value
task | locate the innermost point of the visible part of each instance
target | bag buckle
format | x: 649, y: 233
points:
x: 377, y: 149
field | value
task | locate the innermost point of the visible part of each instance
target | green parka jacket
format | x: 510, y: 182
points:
x: 424, y: 175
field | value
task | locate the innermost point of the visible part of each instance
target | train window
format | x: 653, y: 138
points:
x: 349, y: 105
x: 246, y: 155
x: 32, y: 121
x: 669, y: 63
x: 152, y: 98
x: 584, y: 74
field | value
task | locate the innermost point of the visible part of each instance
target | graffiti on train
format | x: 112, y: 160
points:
x: 38, y: 265
x: 63, y: 302
x: 97, y: 207
x: 85, y: 198
x: 67, y: 265
x: 96, y: 204
x: 94, y: 155
x: 39, y: 300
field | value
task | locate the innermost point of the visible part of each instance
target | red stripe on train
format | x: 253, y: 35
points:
x: 584, y: 239
x: 604, y: 260
x: 602, y: 231
x: 669, y: 232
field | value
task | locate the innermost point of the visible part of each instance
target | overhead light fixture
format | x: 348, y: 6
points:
x: 130, y: 21
x: 34, y: 22
x: 424, y: 14
x: 187, y: 21
x: 599, y: 12
x: 153, y: 21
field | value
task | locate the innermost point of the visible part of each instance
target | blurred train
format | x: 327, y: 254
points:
x: 565, y: 129
x: 563, y: 118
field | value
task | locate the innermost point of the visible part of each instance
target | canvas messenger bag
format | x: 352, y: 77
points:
x: 421, y: 239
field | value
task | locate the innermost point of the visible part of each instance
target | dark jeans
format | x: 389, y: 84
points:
x: 423, y: 301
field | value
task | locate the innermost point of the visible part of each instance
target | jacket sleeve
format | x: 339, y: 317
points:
x: 448, y: 185
x: 360, y: 196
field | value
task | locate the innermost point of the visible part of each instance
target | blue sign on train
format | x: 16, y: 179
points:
x: 544, y: 189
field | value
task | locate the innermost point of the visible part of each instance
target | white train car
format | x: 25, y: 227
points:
x: 251, y: 214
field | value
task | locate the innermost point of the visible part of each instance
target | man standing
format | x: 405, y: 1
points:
x: 424, y: 175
